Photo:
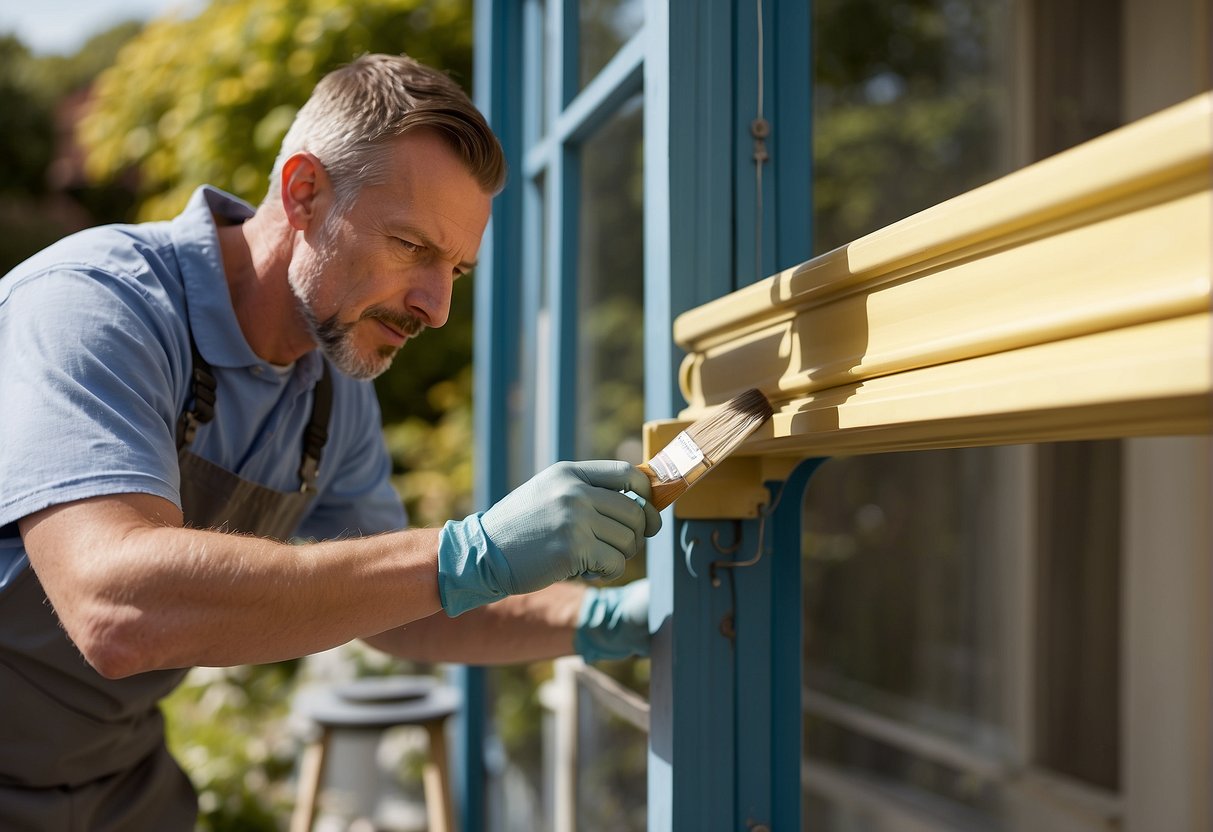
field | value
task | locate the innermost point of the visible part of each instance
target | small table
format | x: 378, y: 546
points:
x: 375, y: 704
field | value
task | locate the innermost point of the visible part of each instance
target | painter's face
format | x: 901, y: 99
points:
x: 371, y: 279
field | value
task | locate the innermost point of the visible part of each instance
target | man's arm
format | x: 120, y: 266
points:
x: 137, y: 592
x: 520, y: 628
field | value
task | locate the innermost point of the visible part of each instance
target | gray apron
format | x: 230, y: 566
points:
x: 82, y: 753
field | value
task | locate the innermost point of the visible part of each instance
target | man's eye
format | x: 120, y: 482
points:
x: 410, y: 246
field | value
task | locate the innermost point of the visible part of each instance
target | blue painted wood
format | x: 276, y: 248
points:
x: 769, y: 638
x: 756, y: 648
x: 746, y: 108
x: 692, y: 58
x: 531, y: 291
x: 660, y: 394
x: 568, y: 24
x: 498, y: 38
x: 615, y: 83
x: 788, y: 625
x: 468, y: 774
x: 791, y: 142
x: 704, y: 702
x: 688, y: 261
x: 709, y: 91
x: 618, y: 81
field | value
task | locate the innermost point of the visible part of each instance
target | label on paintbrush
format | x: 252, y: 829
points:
x: 677, y: 459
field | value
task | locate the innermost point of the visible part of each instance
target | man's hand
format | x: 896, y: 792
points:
x: 613, y: 622
x: 568, y: 520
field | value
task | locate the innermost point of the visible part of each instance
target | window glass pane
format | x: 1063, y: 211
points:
x: 610, y: 328
x: 612, y: 765
x: 923, y: 673
x: 531, y: 318
x: 1078, y: 611
x: 514, y: 755
x: 1076, y: 79
x: 918, y: 616
x: 604, y: 26
x: 911, y: 106
x: 902, y: 601
x: 907, y: 681
x: 942, y: 797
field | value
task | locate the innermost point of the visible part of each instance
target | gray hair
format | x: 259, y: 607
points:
x: 355, y: 110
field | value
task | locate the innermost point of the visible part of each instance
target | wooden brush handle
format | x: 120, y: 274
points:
x: 664, y: 493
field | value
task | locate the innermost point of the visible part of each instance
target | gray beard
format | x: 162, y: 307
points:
x: 336, y: 343
x: 333, y: 337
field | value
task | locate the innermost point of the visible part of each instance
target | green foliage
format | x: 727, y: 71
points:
x: 32, y: 89
x: 60, y: 75
x: 28, y: 138
x: 209, y: 98
x: 436, y: 356
x: 433, y: 460
x: 228, y: 729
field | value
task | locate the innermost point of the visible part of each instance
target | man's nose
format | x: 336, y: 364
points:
x: 429, y: 299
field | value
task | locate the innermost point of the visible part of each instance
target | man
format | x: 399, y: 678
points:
x: 177, y: 399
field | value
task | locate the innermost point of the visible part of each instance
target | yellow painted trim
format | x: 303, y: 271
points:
x: 1068, y: 300
x: 1151, y: 379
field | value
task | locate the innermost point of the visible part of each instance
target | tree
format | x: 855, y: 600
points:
x: 208, y: 98
x: 27, y: 140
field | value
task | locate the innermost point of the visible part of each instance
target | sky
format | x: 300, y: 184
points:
x: 51, y: 27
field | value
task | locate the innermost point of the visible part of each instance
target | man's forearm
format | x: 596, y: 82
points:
x: 519, y: 628
x: 136, y: 595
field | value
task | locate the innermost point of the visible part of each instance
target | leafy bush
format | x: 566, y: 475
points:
x: 209, y: 98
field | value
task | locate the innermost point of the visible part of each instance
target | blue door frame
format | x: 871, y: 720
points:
x: 725, y: 738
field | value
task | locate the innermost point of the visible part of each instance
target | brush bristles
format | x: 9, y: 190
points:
x: 716, y: 436
x: 719, y: 434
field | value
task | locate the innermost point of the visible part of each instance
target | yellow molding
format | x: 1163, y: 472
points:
x: 1124, y: 166
x: 1148, y: 264
x: 1069, y: 300
x: 1150, y: 379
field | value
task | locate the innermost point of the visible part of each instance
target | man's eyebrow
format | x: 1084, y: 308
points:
x: 428, y: 241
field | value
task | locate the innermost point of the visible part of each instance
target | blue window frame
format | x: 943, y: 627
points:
x: 713, y: 85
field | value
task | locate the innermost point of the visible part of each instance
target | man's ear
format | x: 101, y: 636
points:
x: 304, y: 181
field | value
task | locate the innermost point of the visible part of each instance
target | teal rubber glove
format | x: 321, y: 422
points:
x: 613, y: 622
x: 568, y: 520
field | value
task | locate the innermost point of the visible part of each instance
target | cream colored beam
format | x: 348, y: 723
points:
x: 1068, y: 300
x: 1151, y: 379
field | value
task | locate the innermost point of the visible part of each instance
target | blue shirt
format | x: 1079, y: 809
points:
x: 94, y: 362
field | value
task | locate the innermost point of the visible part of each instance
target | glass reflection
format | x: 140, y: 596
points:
x: 612, y: 765
x: 610, y: 357
x: 604, y: 26
x: 911, y: 104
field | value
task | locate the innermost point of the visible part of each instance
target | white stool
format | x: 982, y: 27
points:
x: 376, y: 704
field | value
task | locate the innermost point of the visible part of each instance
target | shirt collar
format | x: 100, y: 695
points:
x: 212, y: 319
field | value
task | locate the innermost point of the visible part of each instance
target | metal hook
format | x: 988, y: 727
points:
x: 688, y: 547
x: 763, y: 513
x: 727, y: 550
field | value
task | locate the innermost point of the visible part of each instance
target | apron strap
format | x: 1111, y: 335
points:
x: 317, y: 431
x: 202, y: 409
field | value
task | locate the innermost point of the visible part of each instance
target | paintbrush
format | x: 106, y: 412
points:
x: 692, y: 453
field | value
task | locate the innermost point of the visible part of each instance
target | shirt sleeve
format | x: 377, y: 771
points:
x: 356, y: 493
x: 90, y: 363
